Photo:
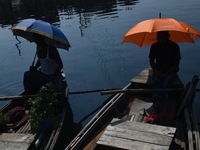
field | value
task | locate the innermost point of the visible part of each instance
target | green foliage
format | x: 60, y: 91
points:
x: 4, y: 119
x: 43, y: 105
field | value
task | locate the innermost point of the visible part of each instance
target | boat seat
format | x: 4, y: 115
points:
x: 145, y: 77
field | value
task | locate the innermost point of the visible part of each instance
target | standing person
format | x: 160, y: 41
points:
x: 50, y: 65
x: 164, y: 58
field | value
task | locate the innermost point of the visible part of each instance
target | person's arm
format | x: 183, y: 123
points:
x: 152, y: 57
x: 154, y: 68
x: 37, y: 65
x: 55, y: 55
x: 152, y: 64
x: 172, y: 69
x: 34, y: 68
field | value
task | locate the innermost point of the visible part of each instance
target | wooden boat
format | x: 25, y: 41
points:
x: 19, y: 135
x: 123, y: 123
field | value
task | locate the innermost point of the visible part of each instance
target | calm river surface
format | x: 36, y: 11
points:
x: 95, y: 30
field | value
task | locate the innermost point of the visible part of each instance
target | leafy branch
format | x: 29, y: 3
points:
x: 43, y: 105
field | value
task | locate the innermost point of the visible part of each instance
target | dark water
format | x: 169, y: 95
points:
x: 95, y: 29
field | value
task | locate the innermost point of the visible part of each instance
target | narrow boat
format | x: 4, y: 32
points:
x: 124, y: 122
x: 19, y: 134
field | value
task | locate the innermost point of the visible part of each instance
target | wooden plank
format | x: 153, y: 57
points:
x: 16, y: 137
x: 138, y: 126
x: 189, y: 129
x: 9, y: 141
x: 192, y: 129
x: 195, y: 128
x: 134, y: 135
x: 127, y: 144
x: 145, y: 77
x: 188, y: 96
x: 141, y: 90
x: 92, y: 144
x: 138, y: 105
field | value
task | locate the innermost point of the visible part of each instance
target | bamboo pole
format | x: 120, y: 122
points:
x: 90, y: 91
x: 33, y: 96
x: 140, y: 90
x: 103, y: 92
x: 17, y: 97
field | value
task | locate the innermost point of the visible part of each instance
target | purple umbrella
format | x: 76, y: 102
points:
x: 53, y: 35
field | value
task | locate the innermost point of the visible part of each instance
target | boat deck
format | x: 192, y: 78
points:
x: 123, y: 121
x: 132, y: 132
x: 145, y: 78
x: 134, y: 135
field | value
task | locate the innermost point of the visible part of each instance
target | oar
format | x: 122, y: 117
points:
x: 33, y: 96
x: 140, y: 90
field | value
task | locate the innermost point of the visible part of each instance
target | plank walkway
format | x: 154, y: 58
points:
x: 132, y: 135
x: 145, y: 77
x: 16, y: 141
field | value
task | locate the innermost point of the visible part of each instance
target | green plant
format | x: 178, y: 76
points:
x: 43, y: 105
x: 4, y: 119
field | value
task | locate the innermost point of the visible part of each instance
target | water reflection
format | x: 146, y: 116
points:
x: 102, y: 23
x: 92, y: 17
x: 11, y: 11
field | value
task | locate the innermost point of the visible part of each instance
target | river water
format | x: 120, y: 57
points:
x: 95, y: 30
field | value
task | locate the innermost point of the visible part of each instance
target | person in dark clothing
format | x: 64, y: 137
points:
x: 164, y: 58
x: 50, y: 65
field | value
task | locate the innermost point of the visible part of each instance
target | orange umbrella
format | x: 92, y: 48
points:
x: 145, y: 32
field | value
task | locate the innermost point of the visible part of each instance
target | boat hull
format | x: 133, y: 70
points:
x: 131, y: 106
x: 22, y: 133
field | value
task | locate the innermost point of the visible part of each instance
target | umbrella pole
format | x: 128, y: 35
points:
x: 34, y: 59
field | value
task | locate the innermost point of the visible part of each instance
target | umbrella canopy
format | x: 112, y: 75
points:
x: 53, y: 35
x: 145, y: 32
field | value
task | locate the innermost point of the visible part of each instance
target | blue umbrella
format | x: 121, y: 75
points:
x: 53, y: 35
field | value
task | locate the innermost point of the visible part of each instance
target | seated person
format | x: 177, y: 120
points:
x: 50, y: 65
x: 164, y: 60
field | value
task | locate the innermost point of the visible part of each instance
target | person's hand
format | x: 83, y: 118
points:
x: 32, y: 68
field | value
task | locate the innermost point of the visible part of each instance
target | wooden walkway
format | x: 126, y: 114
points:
x: 132, y: 135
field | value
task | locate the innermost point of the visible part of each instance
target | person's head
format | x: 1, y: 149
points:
x: 38, y: 39
x: 162, y: 36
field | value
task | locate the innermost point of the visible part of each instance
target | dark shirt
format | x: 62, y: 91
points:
x: 165, y: 55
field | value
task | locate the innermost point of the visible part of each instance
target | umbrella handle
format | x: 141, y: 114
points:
x: 34, y: 59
